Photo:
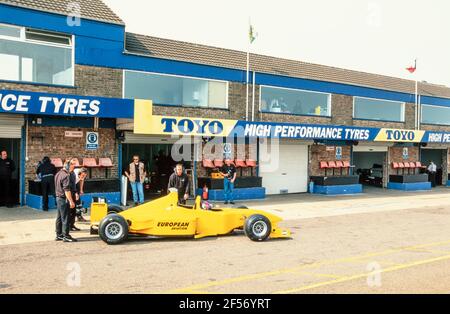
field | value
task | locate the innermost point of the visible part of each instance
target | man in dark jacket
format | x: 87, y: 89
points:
x: 7, y: 167
x: 47, y: 172
x: 180, y: 181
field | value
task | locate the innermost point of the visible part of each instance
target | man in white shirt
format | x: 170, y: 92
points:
x: 432, y: 173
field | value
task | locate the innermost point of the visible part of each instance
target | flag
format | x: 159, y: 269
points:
x: 412, y: 69
x: 251, y: 34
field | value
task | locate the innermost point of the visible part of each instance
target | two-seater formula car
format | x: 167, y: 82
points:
x: 163, y: 217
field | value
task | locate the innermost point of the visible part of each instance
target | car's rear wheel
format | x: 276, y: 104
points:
x: 113, y: 229
x: 257, y: 227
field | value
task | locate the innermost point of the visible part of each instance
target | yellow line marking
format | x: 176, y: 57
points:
x: 198, y: 292
x: 318, y: 274
x: 295, y: 268
x: 429, y: 251
x: 385, y: 262
x: 359, y: 276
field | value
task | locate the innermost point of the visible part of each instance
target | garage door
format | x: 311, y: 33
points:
x: 290, y: 175
x: 11, y: 125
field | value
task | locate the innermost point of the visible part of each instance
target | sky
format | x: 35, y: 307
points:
x: 375, y: 36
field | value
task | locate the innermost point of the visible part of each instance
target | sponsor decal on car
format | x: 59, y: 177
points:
x: 174, y: 225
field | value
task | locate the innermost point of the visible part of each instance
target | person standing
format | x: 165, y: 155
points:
x: 7, y: 167
x: 46, y: 170
x: 229, y: 173
x: 136, y: 174
x: 432, y: 173
x: 180, y: 180
x: 80, y: 174
x: 64, y: 202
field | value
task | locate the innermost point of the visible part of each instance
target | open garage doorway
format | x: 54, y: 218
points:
x: 12, y: 147
x: 437, y: 156
x: 370, y: 165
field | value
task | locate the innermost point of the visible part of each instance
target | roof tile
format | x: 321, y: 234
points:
x: 90, y: 9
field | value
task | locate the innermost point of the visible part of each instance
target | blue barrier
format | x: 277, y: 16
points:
x: 415, y: 186
x: 338, y: 189
x: 35, y: 201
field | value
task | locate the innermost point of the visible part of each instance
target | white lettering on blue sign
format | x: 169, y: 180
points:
x: 69, y: 106
x: 298, y: 131
x: 11, y: 102
x: 49, y: 105
x: 435, y: 137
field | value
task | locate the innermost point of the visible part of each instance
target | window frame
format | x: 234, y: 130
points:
x: 300, y: 90
x: 403, y: 105
x: 22, y: 38
x: 227, y: 83
x: 431, y: 123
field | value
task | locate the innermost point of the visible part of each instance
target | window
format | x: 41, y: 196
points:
x: 294, y: 101
x: 34, y: 56
x: 376, y: 109
x: 435, y: 114
x: 175, y: 90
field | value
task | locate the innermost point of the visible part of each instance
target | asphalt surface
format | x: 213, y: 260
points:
x: 398, y: 251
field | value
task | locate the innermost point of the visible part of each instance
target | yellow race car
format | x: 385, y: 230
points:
x: 164, y: 217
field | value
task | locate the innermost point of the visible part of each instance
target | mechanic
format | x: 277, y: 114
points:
x: 180, y: 181
x: 46, y: 170
x: 136, y: 175
x: 64, y: 202
x: 7, y: 167
x: 432, y: 173
x: 80, y: 175
x: 229, y: 172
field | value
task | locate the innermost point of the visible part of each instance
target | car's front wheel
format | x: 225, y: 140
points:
x: 113, y: 229
x: 257, y: 227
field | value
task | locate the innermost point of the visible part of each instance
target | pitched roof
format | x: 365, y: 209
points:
x: 201, y: 54
x: 90, y: 9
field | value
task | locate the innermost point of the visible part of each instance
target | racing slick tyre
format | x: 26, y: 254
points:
x: 257, y: 227
x: 113, y: 208
x: 113, y: 229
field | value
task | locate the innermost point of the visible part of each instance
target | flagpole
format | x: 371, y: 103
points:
x: 248, y: 69
x: 253, y: 97
x: 417, y: 108
x: 246, y: 98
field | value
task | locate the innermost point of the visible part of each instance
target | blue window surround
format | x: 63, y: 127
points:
x: 102, y: 44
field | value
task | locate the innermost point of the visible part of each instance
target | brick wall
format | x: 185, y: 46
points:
x: 396, y: 155
x: 341, y: 109
x: 51, y: 142
x: 89, y: 81
x: 239, y: 151
x: 319, y: 153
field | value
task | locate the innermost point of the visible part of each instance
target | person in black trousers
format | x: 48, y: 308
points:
x: 64, y: 202
x: 7, y: 167
x: 75, y: 197
x: 46, y: 170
